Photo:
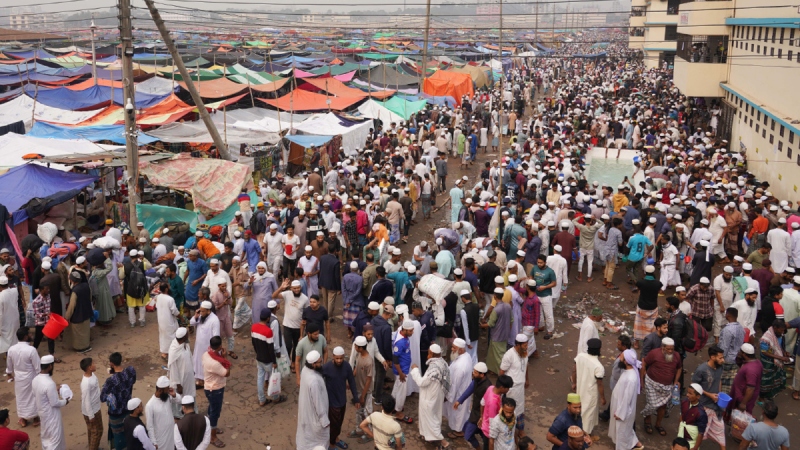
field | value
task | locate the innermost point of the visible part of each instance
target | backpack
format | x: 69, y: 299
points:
x: 255, y: 225
x: 137, y: 282
x: 696, y: 338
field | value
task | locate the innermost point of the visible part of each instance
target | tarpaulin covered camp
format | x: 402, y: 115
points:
x: 14, y: 146
x: 23, y: 108
x: 43, y: 188
x: 302, y: 100
x: 478, y: 74
x: 447, y: 83
x: 354, y: 134
x: 214, y: 184
x: 91, y: 98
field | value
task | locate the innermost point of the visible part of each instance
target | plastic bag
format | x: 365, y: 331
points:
x: 676, y: 395
x: 274, y: 387
x: 283, y: 366
x: 47, y: 231
x: 435, y: 287
x: 739, y: 422
x: 30, y: 317
x: 242, y: 314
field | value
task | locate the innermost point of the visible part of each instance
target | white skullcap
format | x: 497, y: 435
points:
x: 499, y: 279
x: 206, y: 304
x: 165, y: 231
x: 312, y: 357
x: 308, y: 248
x: 133, y: 404
x: 47, y: 359
x: 180, y: 332
x: 162, y: 382
x: 401, y: 309
x: 187, y: 400
x: 499, y: 291
x: 697, y: 388
x: 396, y: 252
x: 747, y: 266
x: 460, y: 343
x: 155, y: 239
x: 389, y: 300
x: 748, y: 349
x: 480, y: 367
x: 408, y: 325
x: 296, y: 283
x: 411, y: 269
x: 458, y: 271
x: 434, y: 348
x: 667, y: 341
x: 728, y: 269
x: 353, y: 265
x: 557, y: 248
x: 198, y: 233
x: 439, y: 241
x: 374, y: 306
x: 680, y: 289
x: 649, y: 269
x: 46, y: 265
x: 704, y: 280
x: 338, y: 351
x: 512, y: 278
x: 521, y: 338
x: 132, y: 253
x: 82, y: 239
x: 140, y: 224
x: 361, y: 341
x: 751, y: 291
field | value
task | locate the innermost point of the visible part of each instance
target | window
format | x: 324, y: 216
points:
x: 758, y: 49
x: 758, y: 127
x: 791, y: 138
x: 782, y: 130
x: 789, y: 55
x: 759, y: 33
x: 670, y: 32
x: 771, y: 138
x: 780, y: 53
x: 774, y: 32
x: 772, y: 125
x: 758, y: 116
x: 780, y: 146
x: 789, y: 152
x: 783, y: 31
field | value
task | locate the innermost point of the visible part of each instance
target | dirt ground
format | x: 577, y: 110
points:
x: 249, y: 427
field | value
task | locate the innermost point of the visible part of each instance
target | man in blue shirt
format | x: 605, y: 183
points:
x: 545, y: 282
x: 557, y: 434
x: 428, y: 332
x: 338, y: 376
x: 401, y: 364
x: 638, y: 246
x: 252, y: 251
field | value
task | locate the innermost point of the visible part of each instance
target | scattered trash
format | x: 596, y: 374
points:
x: 555, y: 356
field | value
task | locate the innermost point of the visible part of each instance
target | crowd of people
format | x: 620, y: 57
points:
x: 454, y: 318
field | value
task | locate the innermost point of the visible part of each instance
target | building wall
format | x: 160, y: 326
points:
x: 699, y: 79
x: 704, y: 18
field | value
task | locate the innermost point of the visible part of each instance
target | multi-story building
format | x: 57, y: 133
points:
x: 653, y: 29
x: 742, y: 57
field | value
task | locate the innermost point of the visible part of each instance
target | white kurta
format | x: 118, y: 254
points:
x: 781, y: 243
x: 23, y: 364
x: 181, y: 370
x: 795, y: 240
x: 167, y: 323
x: 431, y: 401
x: 559, y: 266
x: 623, y: 405
x: 472, y: 352
x: 9, y: 319
x: 313, y: 426
x: 515, y: 367
x: 460, y: 378
x: 48, y: 406
x: 212, y: 281
x: 588, y: 331
x: 205, y: 331
x: 589, y: 369
x: 669, y: 267
x: 160, y: 421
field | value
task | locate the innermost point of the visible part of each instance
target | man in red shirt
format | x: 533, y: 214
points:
x: 661, y: 370
x: 11, y: 439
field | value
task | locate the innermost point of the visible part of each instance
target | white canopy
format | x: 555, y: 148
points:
x: 353, y: 137
x: 26, y: 109
x: 375, y: 110
x: 14, y: 146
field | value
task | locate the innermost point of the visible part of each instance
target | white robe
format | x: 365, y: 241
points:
x: 781, y: 243
x: 205, y: 331
x: 23, y: 364
x: 515, y: 367
x: 49, y: 405
x: 431, y: 401
x: 180, y: 370
x: 413, y: 341
x: 795, y: 249
x: 559, y: 266
x: 669, y: 267
x: 167, y: 323
x: 313, y: 426
x: 216, y: 278
x: 160, y: 422
x: 460, y: 378
x: 623, y: 405
x: 472, y: 352
x: 588, y: 331
x: 589, y: 369
x: 9, y: 319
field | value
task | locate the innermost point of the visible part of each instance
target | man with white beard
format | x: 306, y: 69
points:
x: 215, y: 276
x: 207, y: 325
x: 623, y: 404
x: 433, y: 387
x: 781, y: 243
x: 22, y: 367
x: 460, y: 379
x: 313, y: 425
x: 159, y: 417
x: 662, y: 368
x: 515, y: 365
x: 48, y: 405
x: 180, y: 367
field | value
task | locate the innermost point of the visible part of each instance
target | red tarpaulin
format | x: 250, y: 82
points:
x: 301, y: 100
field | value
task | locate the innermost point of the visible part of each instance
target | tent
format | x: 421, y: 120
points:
x: 337, y: 88
x: 477, y: 74
x: 354, y: 134
x: 168, y: 111
x: 376, y: 110
x: 14, y: 146
x: 155, y: 216
x: 233, y: 133
x: 218, y: 88
x: 302, y: 100
x: 25, y: 109
x: 113, y: 133
x: 92, y: 98
x: 43, y: 188
x: 214, y: 184
x: 388, y: 77
x: 404, y: 108
x: 447, y: 83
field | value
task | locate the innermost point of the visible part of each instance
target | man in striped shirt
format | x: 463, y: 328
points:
x: 263, y: 344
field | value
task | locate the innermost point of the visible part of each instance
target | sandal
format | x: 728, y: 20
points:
x: 796, y: 395
x: 405, y: 419
x: 233, y: 355
x: 612, y: 287
x: 58, y: 361
x: 280, y: 399
x: 218, y: 444
x: 453, y: 435
x: 22, y: 423
x: 342, y: 444
x: 661, y: 430
x: 265, y: 402
x: 648, y: 428
x: 220, y: 431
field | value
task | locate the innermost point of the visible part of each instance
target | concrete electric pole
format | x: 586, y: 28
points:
x: 129, y: 102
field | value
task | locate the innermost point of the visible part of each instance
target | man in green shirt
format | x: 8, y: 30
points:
x: 545, y: 282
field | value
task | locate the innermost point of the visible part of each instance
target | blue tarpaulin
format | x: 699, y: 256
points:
x: 155, y: 216
x: 308, y: 141
x: 51, y: 187
x: 32, y: 77
x: 113, y: 133
x: 91, y: 98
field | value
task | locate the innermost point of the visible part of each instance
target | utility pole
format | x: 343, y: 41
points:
x: 129, y: 100
x: 500, y: 54
x: 198, y: 101
x: 425, y: 49
x: 93, y: 28
x: 536, y: 27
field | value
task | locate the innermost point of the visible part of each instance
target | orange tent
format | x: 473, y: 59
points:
x: 168, y: 111
x: 86, y: 84
x: 219, y: 88
x: 269, y: 87
x: 301, y: 100
x: 447, y: 83
x: 339, y: 89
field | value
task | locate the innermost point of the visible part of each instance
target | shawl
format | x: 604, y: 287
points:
x: 225, y: 363
x: 439, y: 371
x: 774, y: 345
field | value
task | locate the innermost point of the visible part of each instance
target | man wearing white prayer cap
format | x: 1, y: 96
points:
x: 403, y: 354
x: 215, y: 276
x: 48, y: 405
x: 470, y: 323
x: 663, y: 370
x: 460, y: 379
x: 134, y: 422
x: 179, y: 366
x: 192, y: 430
x: 261, y: 285
x: 434, y: 386
x: 313, y: 424
x: 338, y: 375
x: 159, y: 415
x: 515, y: 365
x: 206, y: 325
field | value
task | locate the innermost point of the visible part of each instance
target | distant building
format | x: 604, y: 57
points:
x: 487, y: 10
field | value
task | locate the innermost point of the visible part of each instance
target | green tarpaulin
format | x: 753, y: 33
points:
x: 403, y: 107
x: 155, y: 216
x: 336, y: 70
